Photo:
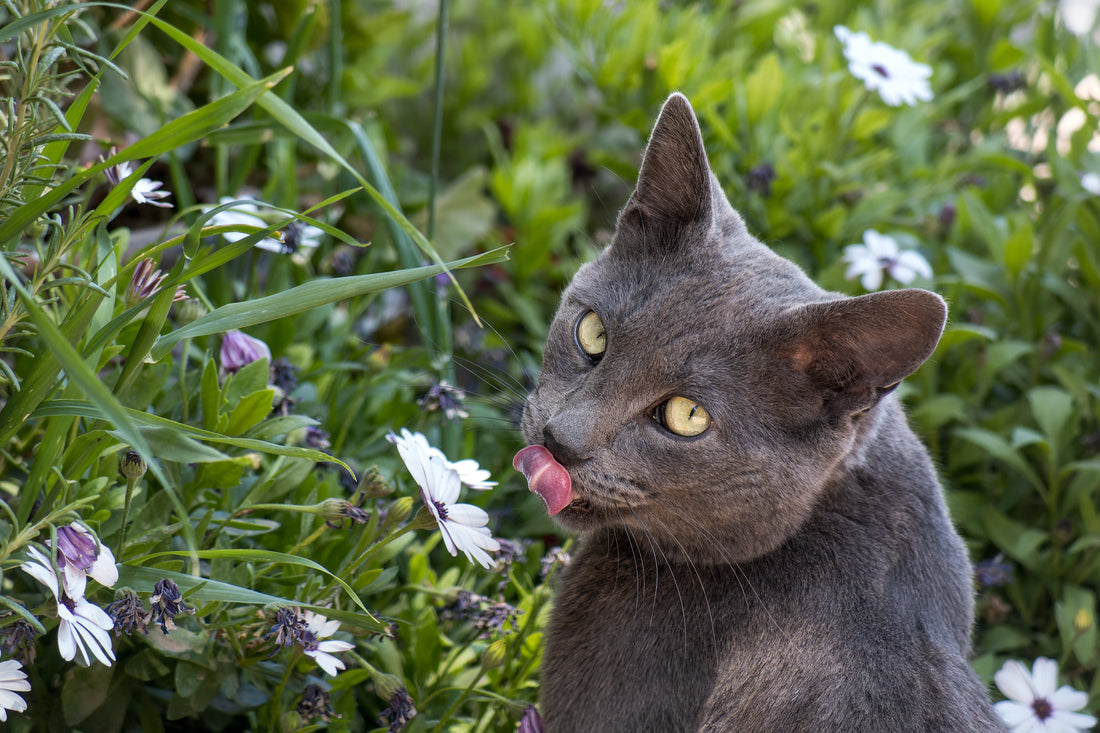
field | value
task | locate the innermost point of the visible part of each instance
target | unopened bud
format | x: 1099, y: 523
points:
x: 290, y: 721
x: 372, y: 485
x: 399, y: 511
x: 133, y: 466
x: 493, y: 656
x: 190, y: 311
x: 1082, y: 620
x: 387, y: 685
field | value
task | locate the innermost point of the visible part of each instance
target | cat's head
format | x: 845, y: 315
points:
x: 697, y: 386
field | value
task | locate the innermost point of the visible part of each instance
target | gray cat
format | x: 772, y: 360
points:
x: 764, y: 544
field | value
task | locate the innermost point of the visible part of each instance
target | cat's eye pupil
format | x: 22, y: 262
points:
x: 682, y: 416
x: 591, y: 337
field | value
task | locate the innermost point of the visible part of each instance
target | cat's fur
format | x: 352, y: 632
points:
x: 793, y: 568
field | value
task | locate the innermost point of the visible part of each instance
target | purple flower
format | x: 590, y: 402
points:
x: 78, y: 555
x: 146, y: 282
x: 993, y: 572
x: 240, y: 349
x: 531, y: 722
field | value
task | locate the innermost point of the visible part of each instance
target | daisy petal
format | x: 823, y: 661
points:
x: 1014, y: 681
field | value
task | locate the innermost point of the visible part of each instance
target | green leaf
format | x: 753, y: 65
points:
x: 1018, y: 249
x: 304, y: 297
x: 1076, y: 617
x: 244, y: 555
x: 171, y: 428
x: 210, y: 395
x: 1052, y: 408
x: 84, y: 690
x: 1015, y: 539
x: 999, y: 449
x: 144, y: 580
x: 168, y: 445
x: 146, y: 666
x: 762, y: 87
x: 250, y: 411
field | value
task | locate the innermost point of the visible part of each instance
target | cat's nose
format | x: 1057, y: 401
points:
x: 567, y: 447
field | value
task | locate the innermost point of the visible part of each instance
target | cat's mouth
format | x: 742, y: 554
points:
x: 546, y: 477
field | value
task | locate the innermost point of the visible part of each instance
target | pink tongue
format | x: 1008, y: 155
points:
x: 545, y: 476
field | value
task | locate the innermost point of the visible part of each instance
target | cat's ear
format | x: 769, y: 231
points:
x: 855, y: 350
x: 674, y: 185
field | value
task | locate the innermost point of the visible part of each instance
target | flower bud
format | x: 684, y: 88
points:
x: 240, y: 349
x: 1082, y: 620
x: 399, y: 511
x: 386, y: 685
x: 373, y: 485
x: 189, y: 311
x: 494, y: 654
x: 133, y: 466
x: 290, y: 721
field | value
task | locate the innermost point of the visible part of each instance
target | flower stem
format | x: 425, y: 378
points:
x: 130, y: 484
x: 461, y: 699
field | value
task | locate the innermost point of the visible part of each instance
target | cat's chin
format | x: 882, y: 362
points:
x: 578, y: 515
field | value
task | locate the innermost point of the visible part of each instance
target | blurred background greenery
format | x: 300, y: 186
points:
x: 482, y: 124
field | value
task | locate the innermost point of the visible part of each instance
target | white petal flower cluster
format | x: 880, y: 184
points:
x: 463, y: 526
x: 884, y: 69
x: 245, y: 212
x: 880, y: 255
x: 1036, y: 704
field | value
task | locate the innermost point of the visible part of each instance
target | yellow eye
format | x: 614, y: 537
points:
x: 683, y: 416
x: 590, y: 335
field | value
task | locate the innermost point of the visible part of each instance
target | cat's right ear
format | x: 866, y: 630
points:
x: 674, y: 184
x: 856, y: 350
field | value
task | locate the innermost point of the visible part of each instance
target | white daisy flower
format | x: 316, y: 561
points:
x: 78, y: 555
x: 295, y: 236
x: 1034, y: 705
x: 1091, y: 183
x: 884, y: 69
x: 84, y: 626
x: 469, y: 472
x: 145, y: 190
x: 462, y: 525
x: 880, y: 255
x: 12, y: 680
x: 322, y: 628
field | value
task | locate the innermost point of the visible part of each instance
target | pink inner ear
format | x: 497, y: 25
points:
x: 801, y: 356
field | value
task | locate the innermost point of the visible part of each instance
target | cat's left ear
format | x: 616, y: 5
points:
x: 856, y: 350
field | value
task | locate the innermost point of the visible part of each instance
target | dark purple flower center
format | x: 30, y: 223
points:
x: 1042, y: 707
x: 441, y: 508
x: 881, y: 71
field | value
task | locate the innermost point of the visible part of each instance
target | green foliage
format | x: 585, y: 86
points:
x: 324, y: 112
